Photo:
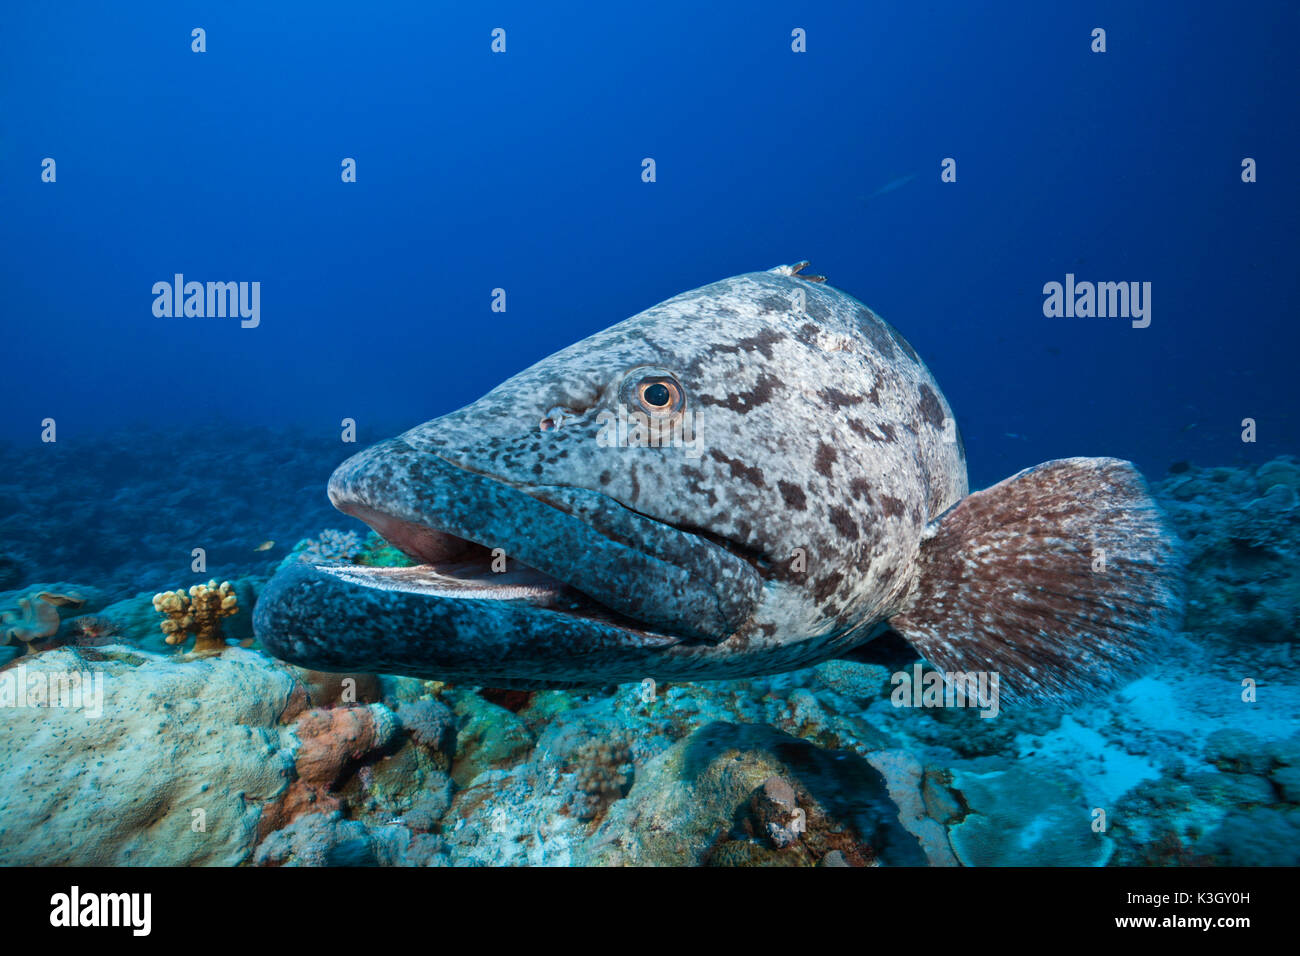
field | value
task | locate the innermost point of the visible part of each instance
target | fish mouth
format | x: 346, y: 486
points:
x: 448, y: 565
x: 513, y: 583
x: 457, y: 568
x: 469, y: 529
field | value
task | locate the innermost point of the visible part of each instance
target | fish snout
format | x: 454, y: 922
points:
x: 354, y: 482
x: 440, y: 513
x: 374, y: 486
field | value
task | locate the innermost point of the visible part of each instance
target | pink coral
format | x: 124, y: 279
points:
x: 329, y: 741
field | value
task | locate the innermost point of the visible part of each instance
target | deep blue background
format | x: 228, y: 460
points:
x: 523, y: 171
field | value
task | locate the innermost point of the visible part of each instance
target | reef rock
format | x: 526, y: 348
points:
x: 488, y: 736
x: 1020, y: 818
x: 1241, y: 530
x: 128, y: 757
x: 327, y: 839
x: 750, y: 795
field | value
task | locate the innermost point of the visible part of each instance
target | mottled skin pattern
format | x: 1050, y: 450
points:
x: 825, y: 449
x: 1012, y: 581
x: 821, y: 430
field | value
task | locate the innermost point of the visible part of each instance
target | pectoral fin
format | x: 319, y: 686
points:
x: 1060, y: 579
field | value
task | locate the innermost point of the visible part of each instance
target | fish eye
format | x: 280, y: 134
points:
x: 655, y: 393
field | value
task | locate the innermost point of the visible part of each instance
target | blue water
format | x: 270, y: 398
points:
x: 522, y: 171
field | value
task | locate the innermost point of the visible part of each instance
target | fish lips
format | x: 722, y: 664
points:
x: 339, y: 619
x: 668, y: 580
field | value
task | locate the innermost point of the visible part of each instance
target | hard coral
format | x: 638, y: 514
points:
x: 199, y: 613
x: 430, y: 723
x: 378, y: 553
x: 331, y: 546
x: 1241, y: 531
x: 331, y: 742
x: 332, y: 738
x: 604, y: 774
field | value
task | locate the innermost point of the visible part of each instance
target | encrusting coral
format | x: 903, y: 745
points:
x: 331, y: 741
x: 199, y: 613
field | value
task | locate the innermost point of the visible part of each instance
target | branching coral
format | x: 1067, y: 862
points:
x: 604, y: 774
x: 199, y: 613
x: 331, y: 546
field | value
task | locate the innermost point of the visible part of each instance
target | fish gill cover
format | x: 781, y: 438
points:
x: 827, y: 437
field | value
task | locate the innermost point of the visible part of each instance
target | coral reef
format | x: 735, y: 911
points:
x: 331, y: 546
x: 335, y: 546
x: 748, y: 795
x: 603, y: 775
x: 488, y: 737
x: 431, y: 724
x: 147, y: 761
x: 1237, y: 808
x: 140, y: 513
x: 35, y: 617
x: 1015, y: 817
x: 93, y: 630
x: 816, y: 767
x: 1241, y: 530
x: 378, y: 553
x: 35, y: 620
x: 925, y: 807
x: 198, y: 612
x: 329, y: 742
x: 327, y: 839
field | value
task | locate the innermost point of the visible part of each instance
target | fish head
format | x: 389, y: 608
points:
x: 663, y: 498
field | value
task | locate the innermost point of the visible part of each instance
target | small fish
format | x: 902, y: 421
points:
x: 265, y: 546
x: 795, y: 488
x: 890, y: 186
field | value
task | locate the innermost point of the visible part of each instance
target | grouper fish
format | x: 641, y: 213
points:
x: 751, y: 477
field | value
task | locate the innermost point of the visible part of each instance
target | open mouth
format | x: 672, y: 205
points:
x: 564, y: 548
x: 449, y: 566
x: 459, y: 568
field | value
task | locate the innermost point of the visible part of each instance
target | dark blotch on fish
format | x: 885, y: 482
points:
x: 739, y: 469
x: 793, y: 495
x: 931, y: 409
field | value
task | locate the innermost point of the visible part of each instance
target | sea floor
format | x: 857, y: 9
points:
x: 120, y: 749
